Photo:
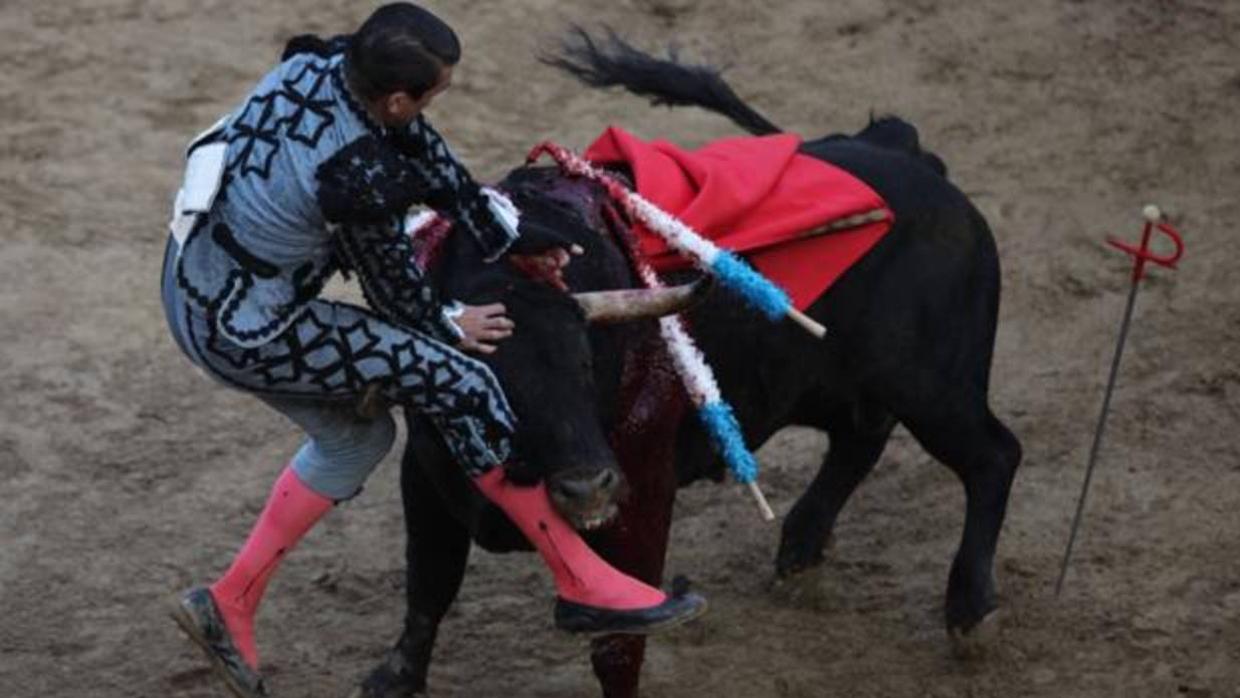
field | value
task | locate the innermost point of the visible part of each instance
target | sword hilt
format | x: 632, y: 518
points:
x: 1141, y: 255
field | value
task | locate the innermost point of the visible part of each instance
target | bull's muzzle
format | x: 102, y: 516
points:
x: 586, y: 497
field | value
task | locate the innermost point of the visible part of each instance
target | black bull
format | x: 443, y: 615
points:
x: 912, y: 330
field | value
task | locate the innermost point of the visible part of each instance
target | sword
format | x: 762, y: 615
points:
x: 1141, y: 255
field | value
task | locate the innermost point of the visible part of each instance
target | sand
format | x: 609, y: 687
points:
x: 127, y: 475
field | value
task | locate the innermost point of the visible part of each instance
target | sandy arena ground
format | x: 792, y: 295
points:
x: 125, y: 475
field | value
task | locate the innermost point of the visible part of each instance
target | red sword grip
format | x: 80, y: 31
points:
x: 1143, y: 254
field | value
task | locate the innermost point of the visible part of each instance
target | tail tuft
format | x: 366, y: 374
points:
x: 613, y: 62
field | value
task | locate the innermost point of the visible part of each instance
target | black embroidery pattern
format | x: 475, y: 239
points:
x: 322, y: 350
x: 223, y: 236
x: 312, y: 116
x: 393, y: 285
x: 443, y: 183
x: 450, y: 188
x: 311, y: 353
x: 259, y: 136
x: 262, y: 121
x: 226, y: 300
x: 367, y: 182
x: 312, y: 283
x: 335, y: 350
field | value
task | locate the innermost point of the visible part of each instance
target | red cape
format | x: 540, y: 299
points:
x: 756, y: 196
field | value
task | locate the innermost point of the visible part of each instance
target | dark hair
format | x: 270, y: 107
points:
x: 400, y: 48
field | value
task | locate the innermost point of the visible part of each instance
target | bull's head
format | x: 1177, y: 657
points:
x: 561, y: 368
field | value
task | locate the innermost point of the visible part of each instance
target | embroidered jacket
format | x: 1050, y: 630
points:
x: 312, y: 185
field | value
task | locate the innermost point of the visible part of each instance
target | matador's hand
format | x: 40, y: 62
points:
x: 484, y: 326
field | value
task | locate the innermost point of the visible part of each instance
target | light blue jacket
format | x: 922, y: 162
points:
x: 312, y: 185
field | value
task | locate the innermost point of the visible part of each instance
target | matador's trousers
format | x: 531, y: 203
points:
x: 316, y: 371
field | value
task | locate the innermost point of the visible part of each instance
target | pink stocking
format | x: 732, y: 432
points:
x: 580, y: 575
x: 291, y: 511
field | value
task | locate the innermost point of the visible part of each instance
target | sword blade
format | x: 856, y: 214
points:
x: 1102, y: 423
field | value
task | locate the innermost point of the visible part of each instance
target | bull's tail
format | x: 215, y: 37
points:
x: 613, y: 62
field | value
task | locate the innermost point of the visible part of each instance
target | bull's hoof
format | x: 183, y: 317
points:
x: 795, y: 558
x: 816, y: 590
x: 978, y: 641
x: 391, y: 679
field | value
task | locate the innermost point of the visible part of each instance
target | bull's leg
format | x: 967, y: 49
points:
x: 858, y: 435
x: 984, y: 454
x: 617, y: 661
x: 635, y: 544
x: 437, y: 548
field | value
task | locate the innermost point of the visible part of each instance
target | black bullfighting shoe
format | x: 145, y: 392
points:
x: 680, y: 607
x: 196, y: 614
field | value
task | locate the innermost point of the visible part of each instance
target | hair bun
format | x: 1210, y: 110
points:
x: 309, y: 43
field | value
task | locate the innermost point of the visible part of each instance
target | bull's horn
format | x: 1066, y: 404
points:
x: 640, y: 303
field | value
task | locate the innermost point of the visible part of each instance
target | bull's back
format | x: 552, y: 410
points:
x: 926, y: 296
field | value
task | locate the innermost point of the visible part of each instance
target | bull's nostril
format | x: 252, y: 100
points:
x: 559, y: 488
x: 607, y: 480
x: 571, y: 488
x: 586, y: 485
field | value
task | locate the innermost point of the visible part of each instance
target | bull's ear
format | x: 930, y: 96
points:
x: 641, y: 303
